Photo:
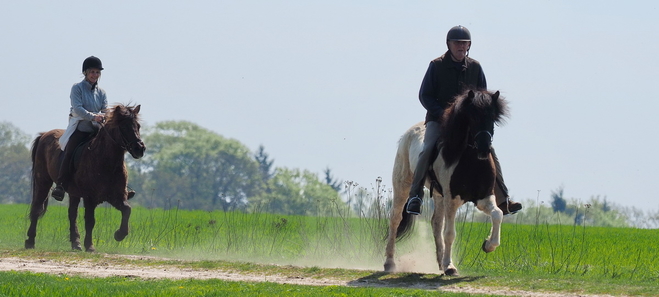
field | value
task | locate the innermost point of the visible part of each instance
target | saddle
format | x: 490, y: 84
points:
x: 77, y: 153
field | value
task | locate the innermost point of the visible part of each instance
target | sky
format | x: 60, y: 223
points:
x: 334, y: 84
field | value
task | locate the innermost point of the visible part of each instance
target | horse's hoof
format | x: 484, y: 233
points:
x: 119, y: 235
x: 76, y: 247
x: 451, y: 272
x: 29, y: 245
x: 389, y: 267
x: 90, y: 249
x: 485, y: 249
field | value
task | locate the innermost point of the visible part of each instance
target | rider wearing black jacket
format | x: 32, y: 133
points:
x: 446, y: 77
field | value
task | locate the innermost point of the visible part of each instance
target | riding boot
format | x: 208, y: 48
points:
x: 63, y: 174
x: 64, y: 168
x: 501, y: 191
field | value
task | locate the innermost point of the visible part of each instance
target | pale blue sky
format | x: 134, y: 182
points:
x: 335, y: 83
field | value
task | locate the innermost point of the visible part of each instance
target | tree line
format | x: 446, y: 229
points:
x: 190, y: 167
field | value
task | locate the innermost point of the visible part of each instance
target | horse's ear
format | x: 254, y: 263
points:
x: 495, y: 96
x: 136, y: 110
x: 470, y: 97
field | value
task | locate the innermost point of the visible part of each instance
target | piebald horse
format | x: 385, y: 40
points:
x: 464, y: 168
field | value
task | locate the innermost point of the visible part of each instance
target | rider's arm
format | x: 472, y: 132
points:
x: 77, y: 101
x: 429, y: 90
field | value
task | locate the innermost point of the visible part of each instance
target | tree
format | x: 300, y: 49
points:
x: 558, y: 202
x: 329, y: 179
x: 194, y: 168
x: 296, y: 192
x: 265, y: 164
x: 15, y: 165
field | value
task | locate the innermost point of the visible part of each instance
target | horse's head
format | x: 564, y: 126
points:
x: 126, y: 119
x: 484, y: 110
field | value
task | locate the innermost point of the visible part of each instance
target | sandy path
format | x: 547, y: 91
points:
x: 103, y: 269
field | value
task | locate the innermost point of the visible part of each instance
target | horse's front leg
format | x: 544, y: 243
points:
x: 125, y: 210
x: 451, y: 205
x: 489, y: 207
x: 74, y: 235
x: 90, y: 222
x: 437, y: 223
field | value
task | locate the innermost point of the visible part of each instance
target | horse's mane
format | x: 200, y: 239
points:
x: 120, y: 112
x: 457, y: 117
x: 482, y: 101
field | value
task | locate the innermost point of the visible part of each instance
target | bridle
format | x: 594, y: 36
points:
x: 125, y: 144
x: 489, y: 135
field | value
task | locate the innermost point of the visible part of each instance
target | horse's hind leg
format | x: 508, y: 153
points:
x: 437, y: 223
x: 90, y: 222
x: 402, y: 179
x: 74, y: 235
x: 394, y: 222
x: 38, y: 208
x: 489, y: 207
x: 452, y: 205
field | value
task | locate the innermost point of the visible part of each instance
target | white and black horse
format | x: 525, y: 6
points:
x: 464, y: 168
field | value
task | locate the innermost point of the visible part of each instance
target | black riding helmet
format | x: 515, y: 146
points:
x: 458, y: 33
x: 92, y: 62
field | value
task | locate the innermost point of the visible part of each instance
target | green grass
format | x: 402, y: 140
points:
x: 30, y: 284
x: 211, y: 235
x: 544, y: 257
x: 574, y: 251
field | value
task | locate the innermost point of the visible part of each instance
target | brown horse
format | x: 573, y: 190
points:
x: 100, y: 175
x: 464, y: 168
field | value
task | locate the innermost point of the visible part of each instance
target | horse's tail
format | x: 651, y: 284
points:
x: 406, y: 225
x: 35, y: 146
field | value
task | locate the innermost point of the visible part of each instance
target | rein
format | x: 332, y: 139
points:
x: 124, y: 144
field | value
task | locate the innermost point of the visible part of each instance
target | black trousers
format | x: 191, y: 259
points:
x: 66, y: 164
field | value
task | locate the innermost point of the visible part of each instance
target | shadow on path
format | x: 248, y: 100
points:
x: 411, y: 280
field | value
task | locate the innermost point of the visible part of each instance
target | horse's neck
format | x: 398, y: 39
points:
x: 454, y: 143
x: 105, y: 148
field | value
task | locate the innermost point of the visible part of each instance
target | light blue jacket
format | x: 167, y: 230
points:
x: 86, y: 102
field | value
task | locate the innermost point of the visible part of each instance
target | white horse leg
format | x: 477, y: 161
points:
x: 451, y: 205
x: 396, y: 217
x: 489, y: 207
x: 437, y: 224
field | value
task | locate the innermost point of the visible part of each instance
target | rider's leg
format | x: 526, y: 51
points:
x: 64, y: 173
x: 416, y: 191
x: 501, y: 191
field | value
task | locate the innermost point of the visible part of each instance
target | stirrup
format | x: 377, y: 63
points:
x: 414, y: 205
x: 58, y: 193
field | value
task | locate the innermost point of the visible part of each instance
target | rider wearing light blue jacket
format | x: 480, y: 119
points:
x: 88, y: 102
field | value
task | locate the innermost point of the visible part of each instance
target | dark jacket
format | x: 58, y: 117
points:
x: 446, y: 79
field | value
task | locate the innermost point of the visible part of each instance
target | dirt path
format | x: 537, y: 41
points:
x: 104, y: 269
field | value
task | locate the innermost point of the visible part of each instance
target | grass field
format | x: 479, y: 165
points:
x: 31, y: 284
x: 590, y: 259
